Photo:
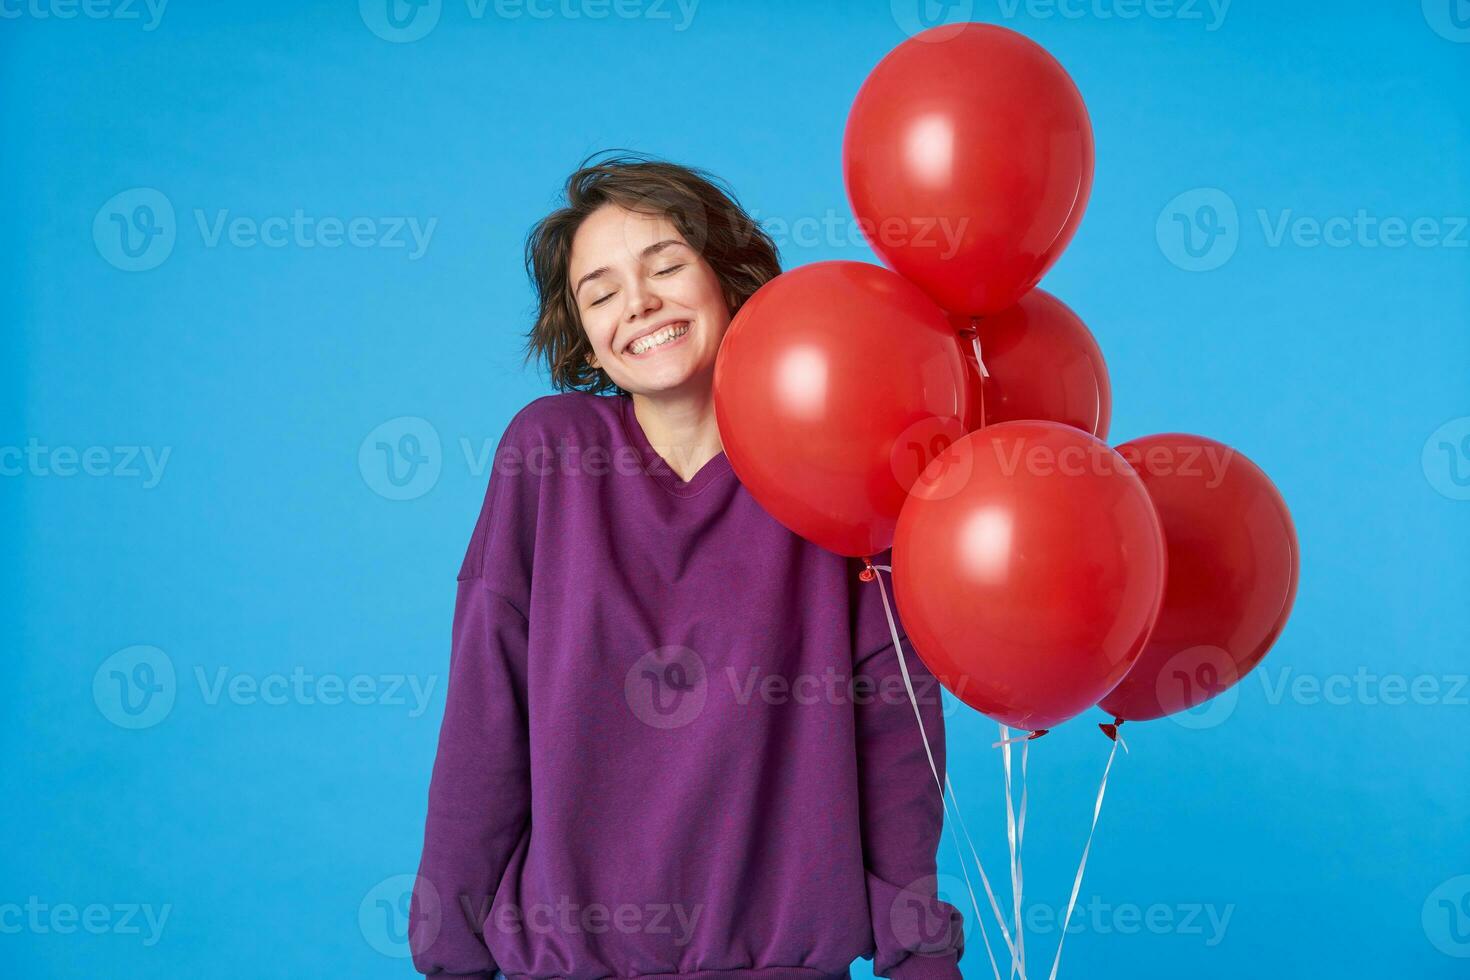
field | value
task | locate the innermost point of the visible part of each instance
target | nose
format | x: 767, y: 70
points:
x: 640, y: 299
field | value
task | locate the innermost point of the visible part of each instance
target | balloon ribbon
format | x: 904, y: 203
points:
x: 1102, y: 788
x: 943, y: 784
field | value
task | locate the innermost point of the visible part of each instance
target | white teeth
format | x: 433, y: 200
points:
x: 658, y: 339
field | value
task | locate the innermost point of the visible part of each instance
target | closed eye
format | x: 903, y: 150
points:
x: 661, y: 272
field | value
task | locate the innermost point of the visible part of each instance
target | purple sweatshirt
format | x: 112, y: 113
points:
x: 676, y: 740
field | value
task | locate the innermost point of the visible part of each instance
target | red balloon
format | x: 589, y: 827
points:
x: 1043, y: 363
x: 1029, y: 567
x: 835, y: 386
x: 968, y: 158
x: 1233, y: 565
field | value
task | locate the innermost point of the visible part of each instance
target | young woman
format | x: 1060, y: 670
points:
x: 676, y: 741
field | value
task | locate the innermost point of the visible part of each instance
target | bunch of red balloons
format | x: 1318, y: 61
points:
x: 946, y: 408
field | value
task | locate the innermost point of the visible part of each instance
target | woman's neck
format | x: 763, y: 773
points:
x: 681, y: 428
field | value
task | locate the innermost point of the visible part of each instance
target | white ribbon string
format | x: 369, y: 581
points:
x: 984, y: 371
x: 1082, y: 865
x: 1021, y: 841
x: 1018, y: 874
x: 976, y: 855
x: 958, y: 817
x: 1018, y: 962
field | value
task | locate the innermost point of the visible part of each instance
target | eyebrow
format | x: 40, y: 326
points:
x: 653, y: 249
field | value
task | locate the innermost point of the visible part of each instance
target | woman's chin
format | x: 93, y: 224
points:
x: 674, y: 373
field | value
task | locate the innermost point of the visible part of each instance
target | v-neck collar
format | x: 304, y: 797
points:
x: 657, y: 468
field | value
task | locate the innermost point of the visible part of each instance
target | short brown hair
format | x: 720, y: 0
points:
x: 699, y: 204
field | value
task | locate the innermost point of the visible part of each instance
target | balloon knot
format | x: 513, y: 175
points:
x: 1111, y: 729
x: 867, y: 574
x: 1037, y: 734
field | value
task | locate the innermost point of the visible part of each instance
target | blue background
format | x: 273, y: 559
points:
x: 1328, y: 831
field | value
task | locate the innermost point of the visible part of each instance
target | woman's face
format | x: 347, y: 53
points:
x: 637, y: 281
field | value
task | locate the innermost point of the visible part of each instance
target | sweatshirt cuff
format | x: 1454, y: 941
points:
x: 917, y: 966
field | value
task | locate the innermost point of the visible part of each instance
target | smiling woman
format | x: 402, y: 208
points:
x: 637, y: 279
x: 667, y: 292
x: 640, y: 224
x: 613, y: 734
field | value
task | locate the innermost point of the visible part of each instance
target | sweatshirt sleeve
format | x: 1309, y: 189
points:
x: 917, y: 936
x: 479, y: 791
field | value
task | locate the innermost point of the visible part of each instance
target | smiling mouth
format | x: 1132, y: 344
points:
x: 659, y: 338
